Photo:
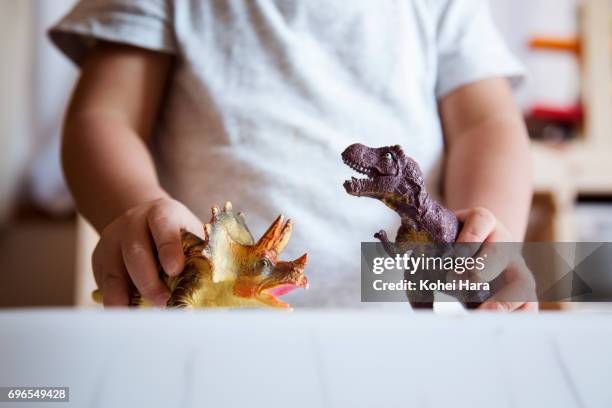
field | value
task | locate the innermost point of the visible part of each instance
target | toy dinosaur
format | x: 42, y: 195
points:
x: 229, y: 269
x: 397, y: 181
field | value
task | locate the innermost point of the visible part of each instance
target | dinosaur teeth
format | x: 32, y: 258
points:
x: 358, y: 168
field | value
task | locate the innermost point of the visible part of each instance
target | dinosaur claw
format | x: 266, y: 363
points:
x: 215, y: 211
x: 227, y: 207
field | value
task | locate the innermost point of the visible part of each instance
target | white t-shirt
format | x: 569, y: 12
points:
x: 266, y: 94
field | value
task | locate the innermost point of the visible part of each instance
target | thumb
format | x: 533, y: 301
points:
x: 165, y: 223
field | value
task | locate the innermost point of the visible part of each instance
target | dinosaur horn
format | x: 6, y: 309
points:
x: 284, y: 237
x: 269, y: 238
x: 215, y: 213
x: 302, y: 260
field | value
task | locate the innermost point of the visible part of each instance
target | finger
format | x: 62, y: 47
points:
x: 478, y: 224
x: 519, y: 291
x: 141, y: 265
x: 529, y: 307
x: 98, y: 257
x: 491, y: 260
x: 109, y: 273
x: 165, y: 225
x: 497, y: 252
x: 509, y: 306
x: 115, y: 290
x: 496, y: 257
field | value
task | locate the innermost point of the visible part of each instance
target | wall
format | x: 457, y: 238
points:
x: 553, y: 77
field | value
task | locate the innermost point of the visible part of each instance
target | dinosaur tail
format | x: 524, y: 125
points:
x: 96, y: 295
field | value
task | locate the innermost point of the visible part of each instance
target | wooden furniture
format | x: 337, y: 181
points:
x: 584, y: 165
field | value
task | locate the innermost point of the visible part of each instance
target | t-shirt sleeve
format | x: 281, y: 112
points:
x: 141, y: 23
x: 470, y: 48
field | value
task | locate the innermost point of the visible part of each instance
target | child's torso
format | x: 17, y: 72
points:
x: 266, y: 94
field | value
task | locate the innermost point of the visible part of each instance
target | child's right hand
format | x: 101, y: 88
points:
x: 126, y: 251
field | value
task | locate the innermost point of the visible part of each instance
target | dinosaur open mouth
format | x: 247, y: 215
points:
x: 282, y: 289
x: 274, y: 292
x: 359, y: 186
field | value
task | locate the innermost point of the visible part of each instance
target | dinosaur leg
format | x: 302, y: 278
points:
x: 423, y: 305
x: 425, y: 298
x: 419, y: 299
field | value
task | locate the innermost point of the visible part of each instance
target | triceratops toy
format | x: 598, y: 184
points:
x: 229, y: 269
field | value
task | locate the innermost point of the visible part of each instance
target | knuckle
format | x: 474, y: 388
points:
x: 128, y: 223
x: 483, y: 213
x: 480, y: 210
x: 131, y: 213
x: 112, y: 289
x: 112, y: 281
x: 150, y: 289
x: 505, y: 305
x: 162, y: 201
x: 159, y: 213
x: 134, y: 250
x: 168, y: 247
x: 158, y: 218
x: 471, y: 234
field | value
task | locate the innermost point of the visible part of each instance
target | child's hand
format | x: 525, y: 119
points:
x: 127, y: 246
x: 480, y: 225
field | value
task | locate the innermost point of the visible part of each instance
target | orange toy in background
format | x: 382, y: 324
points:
x: 229, y: 269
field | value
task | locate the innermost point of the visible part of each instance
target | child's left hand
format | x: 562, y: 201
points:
x: 481, y: 225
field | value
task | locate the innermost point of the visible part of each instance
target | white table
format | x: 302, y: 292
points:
x: 309, y: 359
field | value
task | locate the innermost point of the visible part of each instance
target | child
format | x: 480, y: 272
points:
x: 182, y: 104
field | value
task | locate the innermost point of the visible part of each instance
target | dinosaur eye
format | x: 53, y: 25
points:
x: 263, y: 266
x: 388, y: 156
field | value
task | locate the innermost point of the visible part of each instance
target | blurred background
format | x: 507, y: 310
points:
x: 566, y: 46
